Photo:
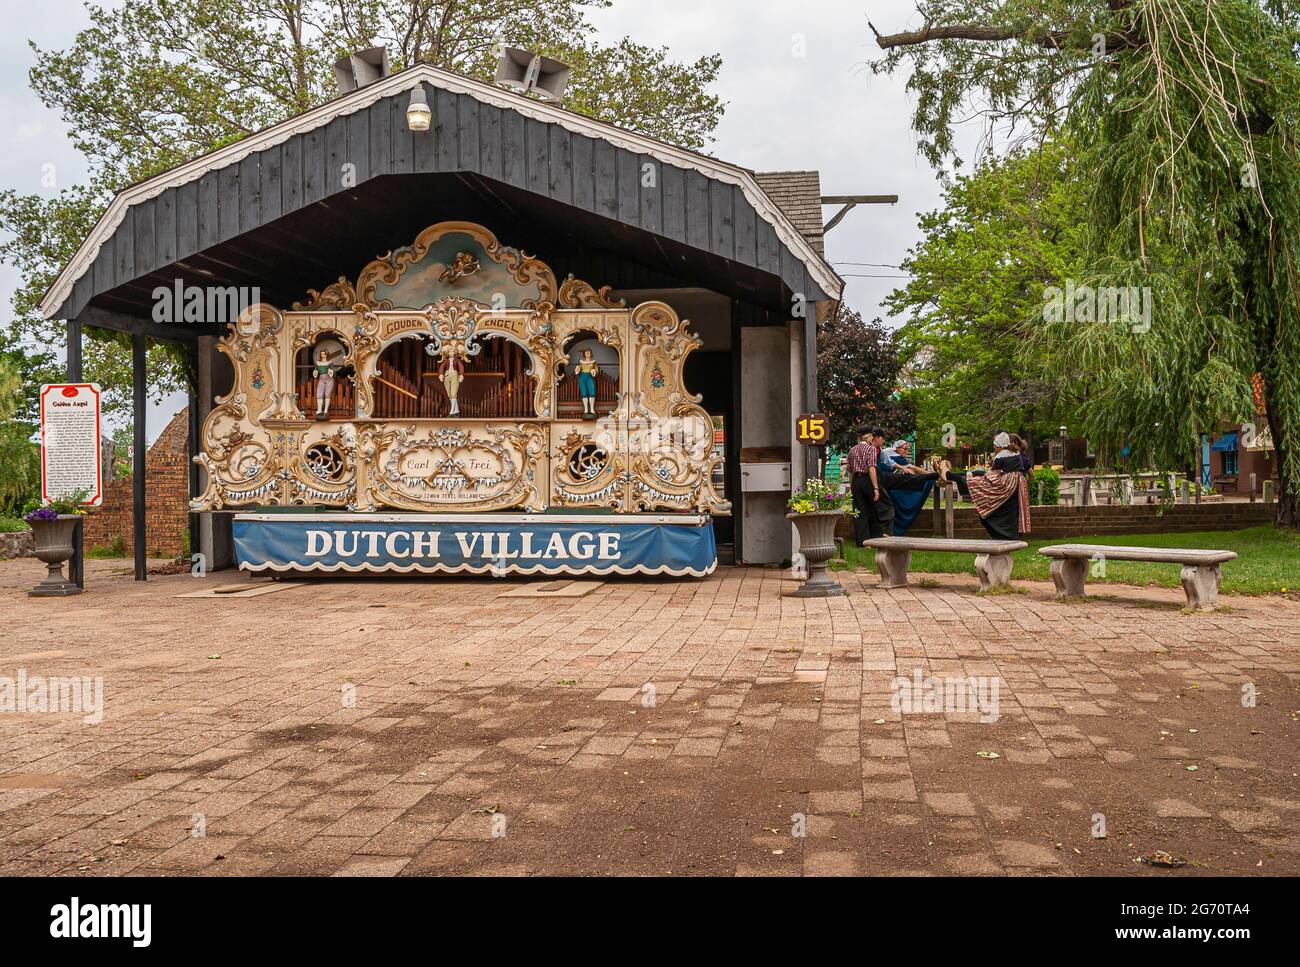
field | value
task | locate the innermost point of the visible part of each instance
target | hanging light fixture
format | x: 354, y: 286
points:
x: 418, y: 114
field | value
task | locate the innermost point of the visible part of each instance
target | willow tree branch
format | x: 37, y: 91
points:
x: 1051, y: 39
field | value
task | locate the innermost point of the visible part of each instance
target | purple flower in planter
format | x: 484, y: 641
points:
x: 40, y: 514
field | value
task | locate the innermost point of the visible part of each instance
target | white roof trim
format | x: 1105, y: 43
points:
x: 363, y: 97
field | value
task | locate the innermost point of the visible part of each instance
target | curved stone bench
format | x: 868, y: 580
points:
x: 992, y: 558
x: 1202, y: 569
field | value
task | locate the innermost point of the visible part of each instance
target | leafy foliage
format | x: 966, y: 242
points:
x: 819, y: 496
x: 858, y: 368
x: 1184, y: 117
x: 70, y: 504
x: 152, y: 83
x: 123, y: 441
x: 1004, y: 233
x: 20, y: 466
x: 1049, y: 478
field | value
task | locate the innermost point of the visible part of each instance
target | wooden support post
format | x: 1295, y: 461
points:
x: 74, y: 351
x: 1252, y: 488
x: 77, y: 563
x: 732, y: 439
x: 948, y: 525
x: 192, y: 449
x: 139, y: 413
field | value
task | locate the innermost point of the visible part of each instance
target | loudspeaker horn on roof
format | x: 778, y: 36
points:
x: 352, y: 71
x: 524, y: 71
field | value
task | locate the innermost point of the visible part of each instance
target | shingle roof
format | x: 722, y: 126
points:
x: 790, y: 192
x: 799, y: 195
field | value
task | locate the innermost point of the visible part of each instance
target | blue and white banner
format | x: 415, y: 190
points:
x: 495, y: 544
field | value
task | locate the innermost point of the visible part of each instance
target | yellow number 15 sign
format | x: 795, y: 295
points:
x: 812, y: 429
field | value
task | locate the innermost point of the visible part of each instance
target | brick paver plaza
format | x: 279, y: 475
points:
x: 419, y: 727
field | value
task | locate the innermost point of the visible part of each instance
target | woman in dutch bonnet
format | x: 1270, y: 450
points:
x: 1001, y: 494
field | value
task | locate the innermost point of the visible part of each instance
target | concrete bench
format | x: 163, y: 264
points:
x: 992, y: 558
x: 1202, y: 570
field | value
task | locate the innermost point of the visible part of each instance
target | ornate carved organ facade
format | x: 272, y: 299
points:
x: 455, y: 384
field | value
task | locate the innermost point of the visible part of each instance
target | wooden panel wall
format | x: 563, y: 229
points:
x: 572, y: 169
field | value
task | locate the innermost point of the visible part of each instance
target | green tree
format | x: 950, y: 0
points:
x: 857, y: 377
x: 976, y: 295
x: 152, y: 83
x: 20, y: 467
x: 1184, y: 117
x: 123, y: 441
x: 43, y: 235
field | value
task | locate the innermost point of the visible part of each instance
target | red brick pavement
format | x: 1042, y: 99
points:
x: 419, y: 727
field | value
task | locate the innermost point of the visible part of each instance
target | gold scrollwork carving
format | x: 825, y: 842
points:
x: 588, y: 473
x: 654, y: 451
x: 337, y: 295
x: 447, y: 466
x: 525, y: 270
x: 577, y: 294
x: 389, y: 268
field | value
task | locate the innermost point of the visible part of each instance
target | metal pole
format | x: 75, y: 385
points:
x: 77, y: 565
x: 138, y: 416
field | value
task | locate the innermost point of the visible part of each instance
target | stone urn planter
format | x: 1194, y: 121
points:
x: 53, y: 547
x: 817, y: 545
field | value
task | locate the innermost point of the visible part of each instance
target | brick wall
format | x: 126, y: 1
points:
x: 167, y: 494
x: 1053, y: 523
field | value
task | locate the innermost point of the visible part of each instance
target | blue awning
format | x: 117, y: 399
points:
x: 1226, y: 443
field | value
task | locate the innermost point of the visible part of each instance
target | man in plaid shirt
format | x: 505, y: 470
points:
x: 865, y: 486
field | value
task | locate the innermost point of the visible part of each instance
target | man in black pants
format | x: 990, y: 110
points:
x: 865, y: 487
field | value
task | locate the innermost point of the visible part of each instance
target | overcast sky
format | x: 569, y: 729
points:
x: 793, y: 76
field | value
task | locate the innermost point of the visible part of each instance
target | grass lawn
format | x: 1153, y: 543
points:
x: 11, y: 525
x: 1268, y: 560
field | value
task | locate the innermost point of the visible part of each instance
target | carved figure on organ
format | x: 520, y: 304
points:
x: 451, y: 372
x: 588, y: 369
x: 324, y: 383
